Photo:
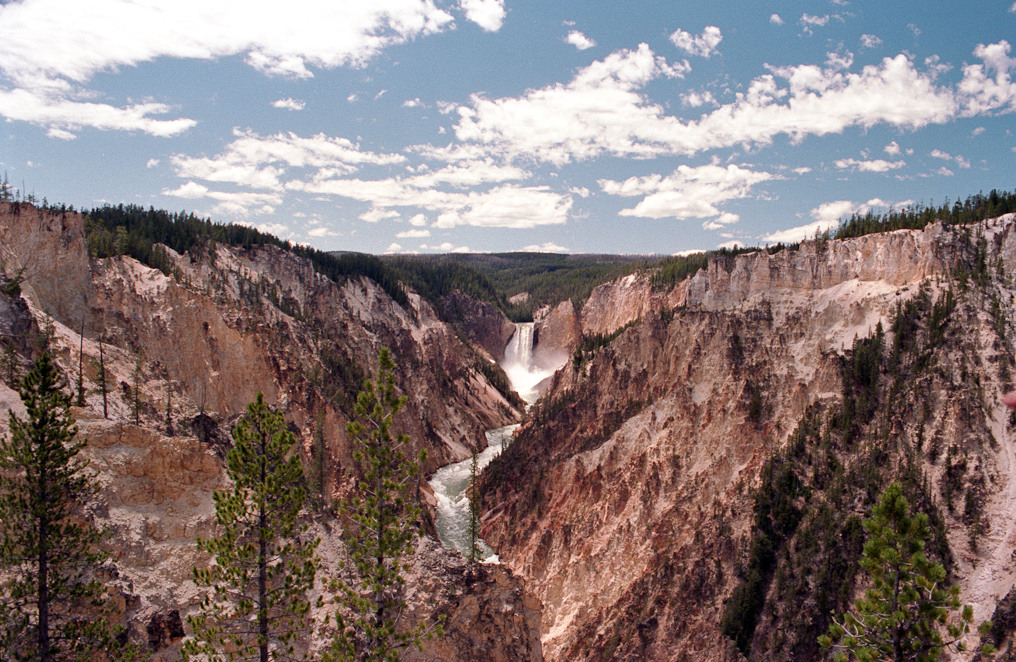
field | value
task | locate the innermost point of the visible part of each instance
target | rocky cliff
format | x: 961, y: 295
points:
x: 199, y: 344
x: 638, y: 493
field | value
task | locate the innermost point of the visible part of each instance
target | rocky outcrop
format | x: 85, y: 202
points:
x: 482, y: 323
x: 557, y: 332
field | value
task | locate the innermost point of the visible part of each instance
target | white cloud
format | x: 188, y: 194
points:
x: 696, y: 99
x: 724, y: 219
x: 978, y: 131
x: 731, y: 245
x: 229, y: 203
x: 546, y: 247
x: 945, y: 172
x: 66, y: 115
x: 939, y: 154
x: 413, y: 234
x: 874, y: 165
x: 703, y: 45
x: 1012, y: 10
x: 579, y: 40
x: 289, y: 104
x: 809, y: 22
x: 322, y: 231
x: 375, y: 214
x: 393, y: 248
x: 506, y: 206
x: 445, y: 247
x: 412, y: 103
x: 870, y: 41
x: 488, y: 14
x: 55, y: 132
x: 602, y: 110
x: 418, y: 221
x: 261, y: 161
x: 962, y: 162
x: 152, y: 163
x: 775, y: 19
x: 982, y: 93
x: 46, y: 82
x: 687, y: 192
x: 598, y: 111
x: 892, y: 149
x: 802, y: 170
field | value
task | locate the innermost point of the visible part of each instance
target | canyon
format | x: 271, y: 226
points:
x: 625, y: 508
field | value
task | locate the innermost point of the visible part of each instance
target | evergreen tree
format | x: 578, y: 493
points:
x: 264, y: 563
x: 48, y: 604
x: 382, y: 529
x: 474, y: 510
x: 903, y: 615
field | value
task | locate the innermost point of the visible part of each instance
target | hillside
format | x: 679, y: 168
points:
x: 226, y: 323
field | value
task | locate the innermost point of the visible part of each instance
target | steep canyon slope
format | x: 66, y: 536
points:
x: 693, y: 489
x: 197, y: 345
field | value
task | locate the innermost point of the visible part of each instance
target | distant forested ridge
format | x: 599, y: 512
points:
x: 135, y: 231
x: 547, y: 278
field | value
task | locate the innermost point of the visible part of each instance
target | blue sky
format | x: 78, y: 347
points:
x: 499, y: 125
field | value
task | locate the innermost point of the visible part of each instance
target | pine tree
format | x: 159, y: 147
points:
x: 264, y: 562
x: 48, y: 604
x: 382, y: 529
x: 903, y: 615
x: 474, y: 510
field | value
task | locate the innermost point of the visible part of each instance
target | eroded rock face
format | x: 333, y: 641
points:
x: 199, y: 345
x: 556, y: 335
x: 489, y: 617
x: 626, y: 504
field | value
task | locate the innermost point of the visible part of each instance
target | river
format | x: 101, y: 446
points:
x: 451, y: 485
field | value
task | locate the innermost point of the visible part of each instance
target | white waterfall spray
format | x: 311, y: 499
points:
x: 526, y: 378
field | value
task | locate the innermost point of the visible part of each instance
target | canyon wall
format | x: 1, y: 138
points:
x: 200, y: 343
x: 629, y: 501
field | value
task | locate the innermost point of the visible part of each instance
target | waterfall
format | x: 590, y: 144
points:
x: 519, y: 351
x: 526, y: 378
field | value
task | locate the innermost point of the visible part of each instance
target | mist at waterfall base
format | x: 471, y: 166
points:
x: 451, y: 486
x: 525, y: 376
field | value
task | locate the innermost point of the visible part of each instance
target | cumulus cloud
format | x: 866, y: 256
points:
x: 445, y: 247
x: 599, y: 111
x: 603, y: 111
x: 874, y: 165
x: 488, y: 14
x: 322, y: 231
x: 945, y: 172
x: 579, y: 40
x: 696, y: 99
x: 289, y: 104
x: 892, y: 149
x: 687, y: 192
x: 703, y: 45
x: 152, y: 163
x: 827, y: 216
x: 983, y: 93
x: 870, y: 41
x: 775, y: 19
x: 260, y: 161
x: 46, y: 82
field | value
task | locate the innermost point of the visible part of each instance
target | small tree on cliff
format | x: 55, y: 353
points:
x: 264, y: 565
x: 381, y: 531
x: 903, y: 615
x: 48, y: 603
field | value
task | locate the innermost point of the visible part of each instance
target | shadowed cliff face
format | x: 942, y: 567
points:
x: 626, y: 501
x: 201, y: 344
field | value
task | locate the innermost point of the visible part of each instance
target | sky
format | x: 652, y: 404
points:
x: 577, y: 126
